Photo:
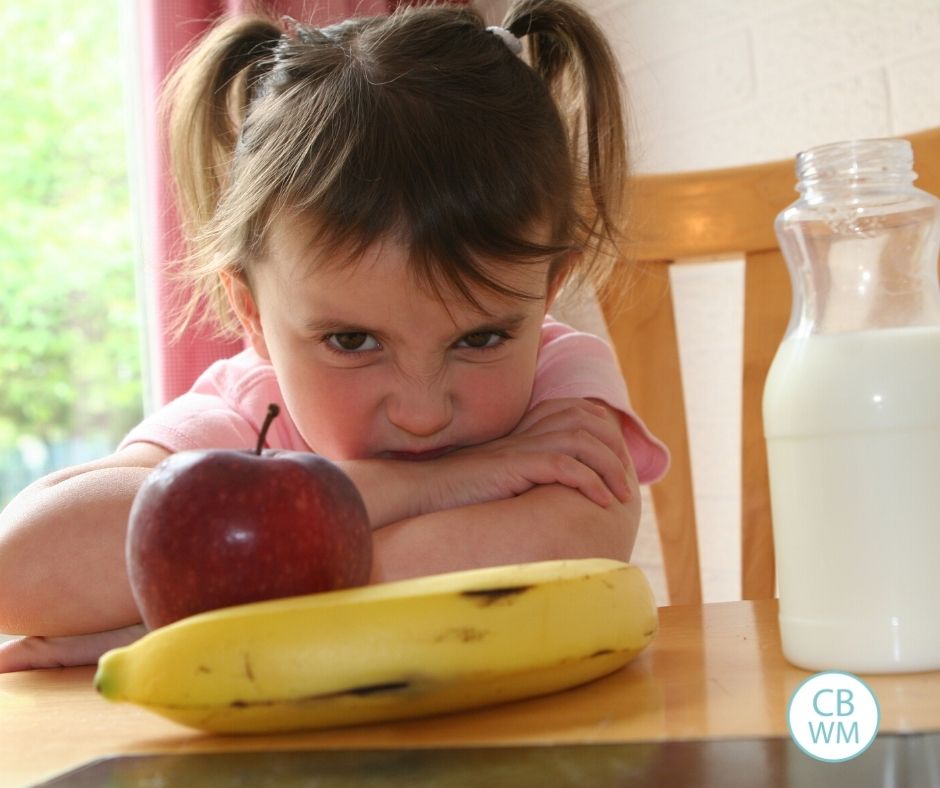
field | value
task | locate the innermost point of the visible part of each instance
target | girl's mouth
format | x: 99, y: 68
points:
x: 416, y: 456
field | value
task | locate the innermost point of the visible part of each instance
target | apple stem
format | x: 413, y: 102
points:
x: 273, y: 410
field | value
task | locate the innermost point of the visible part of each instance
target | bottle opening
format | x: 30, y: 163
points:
x: 856, y: 163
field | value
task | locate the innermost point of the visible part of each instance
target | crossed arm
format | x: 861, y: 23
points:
x: 62, y: 573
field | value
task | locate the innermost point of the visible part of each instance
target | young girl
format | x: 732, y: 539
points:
x: 386, y: 208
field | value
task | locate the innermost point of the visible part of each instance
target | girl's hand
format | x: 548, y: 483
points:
x: 28, y: 653
x: 574, y: 442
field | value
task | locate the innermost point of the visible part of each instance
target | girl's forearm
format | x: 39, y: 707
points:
x: 62, y: 569
x: 570, y: 445
x: 390, y: 489
x: 548, y: 522
x: 29, y: 653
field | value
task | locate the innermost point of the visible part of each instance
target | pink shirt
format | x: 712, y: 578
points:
x: 227, y: 404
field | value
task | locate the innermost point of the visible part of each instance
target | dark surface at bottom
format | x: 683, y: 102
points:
x: 895, y: 761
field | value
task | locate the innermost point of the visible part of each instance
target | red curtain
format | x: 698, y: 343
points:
x: 167, y: 27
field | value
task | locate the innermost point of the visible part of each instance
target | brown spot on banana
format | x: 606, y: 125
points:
x: 492, y: 596
x: 365, y: 690
x: 463, y: 634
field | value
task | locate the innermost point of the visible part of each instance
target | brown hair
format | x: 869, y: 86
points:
x: 420, y: 124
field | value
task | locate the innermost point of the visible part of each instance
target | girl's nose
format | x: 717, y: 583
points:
x: 421, y: 410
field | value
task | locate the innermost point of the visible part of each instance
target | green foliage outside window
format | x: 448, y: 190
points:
x: 69, y: 322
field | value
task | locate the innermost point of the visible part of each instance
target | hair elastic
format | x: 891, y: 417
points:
x: 296, y: 31
x: 510, y: 40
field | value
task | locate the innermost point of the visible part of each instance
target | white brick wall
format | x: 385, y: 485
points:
x: 717, y: 83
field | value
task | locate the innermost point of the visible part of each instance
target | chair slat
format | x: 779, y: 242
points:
x: 643, y: 331
x: 767, y: 303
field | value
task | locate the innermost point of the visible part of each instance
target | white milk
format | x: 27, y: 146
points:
x: 853, y: 437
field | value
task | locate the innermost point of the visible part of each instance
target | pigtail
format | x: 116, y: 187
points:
x: 568, y: 50
x: 205, y: 102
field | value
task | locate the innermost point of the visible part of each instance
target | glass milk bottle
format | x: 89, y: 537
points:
x: 852, y: 415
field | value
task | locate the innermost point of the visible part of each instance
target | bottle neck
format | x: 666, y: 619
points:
x: 862, y: 242
x: 859, y: 167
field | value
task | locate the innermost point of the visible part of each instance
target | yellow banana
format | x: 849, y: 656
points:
x: 392, y: 651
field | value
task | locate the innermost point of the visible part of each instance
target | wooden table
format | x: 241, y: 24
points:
x: 714, y: 672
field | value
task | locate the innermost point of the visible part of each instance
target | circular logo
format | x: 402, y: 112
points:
x: 833, y: 716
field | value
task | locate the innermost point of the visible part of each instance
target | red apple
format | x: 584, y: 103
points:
x: 216, y: 528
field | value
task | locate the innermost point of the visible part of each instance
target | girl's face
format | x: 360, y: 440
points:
x: 371, y: 366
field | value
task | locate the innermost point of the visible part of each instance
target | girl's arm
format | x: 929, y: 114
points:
x: 30, y: 653
x: 62, y: 570
x: 62, y: 567
x: 62, y: 547
x: 576, y: 443
x: 548, y: 522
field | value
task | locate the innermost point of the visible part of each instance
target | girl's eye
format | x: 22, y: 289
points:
x: 351, y: 342
x: 483, y: 340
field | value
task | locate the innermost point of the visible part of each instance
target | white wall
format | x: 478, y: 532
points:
x: 718, y: 83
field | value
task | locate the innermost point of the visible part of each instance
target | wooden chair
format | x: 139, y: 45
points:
x: 695, y: 215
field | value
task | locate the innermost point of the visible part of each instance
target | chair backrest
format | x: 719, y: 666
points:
x: 689, y: 217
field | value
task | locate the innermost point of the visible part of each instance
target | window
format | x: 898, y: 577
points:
x: 70, y: 379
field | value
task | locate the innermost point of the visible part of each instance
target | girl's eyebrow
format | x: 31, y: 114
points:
x: 508, y: 322
x: 331, y: 326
